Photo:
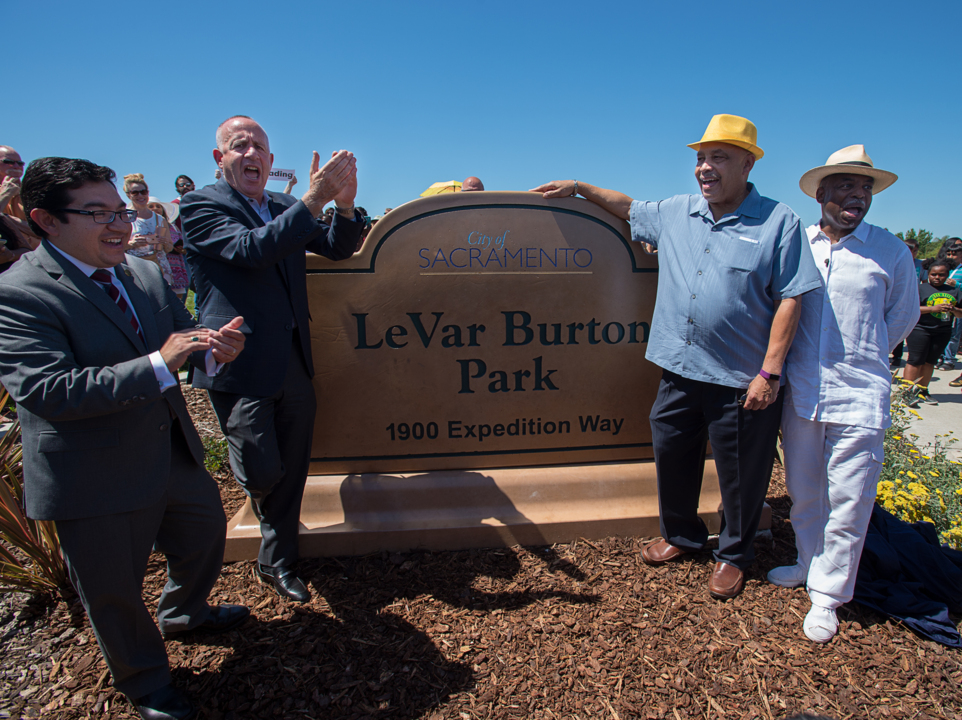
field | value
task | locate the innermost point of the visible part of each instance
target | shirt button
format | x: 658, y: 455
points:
x: 699, y: 272
x: 688, y: 343
x: 163, y: 427
x: 690, y: 321
x: 692, y: 297
x: 707, y: 250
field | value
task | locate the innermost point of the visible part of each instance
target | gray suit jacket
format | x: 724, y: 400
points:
x: 96, y: 428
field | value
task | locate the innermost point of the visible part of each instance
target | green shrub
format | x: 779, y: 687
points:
x: 215, y: 454
x: 920, y: 483
x: 30, y: 557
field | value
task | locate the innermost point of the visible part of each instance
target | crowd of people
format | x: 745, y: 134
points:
x: 759, y: 323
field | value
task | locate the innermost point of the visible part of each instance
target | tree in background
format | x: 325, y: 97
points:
x: 928, y: 244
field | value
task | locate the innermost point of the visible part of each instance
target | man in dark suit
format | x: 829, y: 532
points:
x: 90, y: 344
x: 246, y: 248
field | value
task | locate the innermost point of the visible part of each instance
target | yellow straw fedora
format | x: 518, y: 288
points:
x: 852, y: 160
x: 733, y: 130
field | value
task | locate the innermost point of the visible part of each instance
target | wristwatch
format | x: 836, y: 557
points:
x: 769, y: 376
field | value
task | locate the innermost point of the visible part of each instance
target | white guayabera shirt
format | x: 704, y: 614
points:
x: 837, y: 368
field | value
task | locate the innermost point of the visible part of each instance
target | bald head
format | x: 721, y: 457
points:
x: 10, y: 163
x: 243, y: 154
x: 472, y: 184
x: 223, y: 130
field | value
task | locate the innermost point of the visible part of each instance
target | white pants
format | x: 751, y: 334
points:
x: 832, y: 474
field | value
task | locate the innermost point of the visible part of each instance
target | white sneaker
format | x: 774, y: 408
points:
x: 789, y: 576
x: 820, y: 624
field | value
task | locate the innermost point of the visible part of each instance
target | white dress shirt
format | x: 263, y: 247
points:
x: 837, y: 368
x: 165, y: 378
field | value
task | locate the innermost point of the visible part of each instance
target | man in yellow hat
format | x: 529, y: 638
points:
x: 731, y: 268
x: 838, y: 393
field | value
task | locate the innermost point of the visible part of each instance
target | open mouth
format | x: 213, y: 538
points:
x: 709, y: 181
x: 852, y: 212
x: 252, y: 172
x: 113, y: 241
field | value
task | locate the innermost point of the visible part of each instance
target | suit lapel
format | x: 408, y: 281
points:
x: 241, y: 203
x: 70, y: 276
x: 275, y: 210
x: 138, y: 298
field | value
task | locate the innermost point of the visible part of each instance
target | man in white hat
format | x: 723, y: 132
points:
x: 731, y: 268
x: 837, y: 399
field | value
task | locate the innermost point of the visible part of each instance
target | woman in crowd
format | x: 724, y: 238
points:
x: 929, y: 338
x: 179, y: 275
x: 150, y: 235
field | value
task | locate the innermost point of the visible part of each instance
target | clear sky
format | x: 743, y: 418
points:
x: 516, y: 93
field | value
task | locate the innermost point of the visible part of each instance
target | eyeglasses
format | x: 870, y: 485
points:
x: 15, y: 163
x: 104, y: 217
x: 138, y: 192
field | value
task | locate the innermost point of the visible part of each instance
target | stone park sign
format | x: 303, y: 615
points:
x: 481, y: 380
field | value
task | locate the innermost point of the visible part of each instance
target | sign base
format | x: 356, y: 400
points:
x: 357, y: 514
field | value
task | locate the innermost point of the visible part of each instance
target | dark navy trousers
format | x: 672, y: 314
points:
x: 685, y: 416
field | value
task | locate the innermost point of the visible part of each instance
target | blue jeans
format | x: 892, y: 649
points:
x: 953, y: 347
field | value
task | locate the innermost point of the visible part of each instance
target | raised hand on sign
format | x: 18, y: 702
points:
x: 335, y: 180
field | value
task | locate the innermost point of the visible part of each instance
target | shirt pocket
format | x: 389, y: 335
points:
x: 739, y: 252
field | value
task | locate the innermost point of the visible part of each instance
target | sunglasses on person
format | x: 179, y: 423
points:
x: 138, y: 192
x: 13, y: 163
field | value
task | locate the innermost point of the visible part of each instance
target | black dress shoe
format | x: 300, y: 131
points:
x: 167, y: 703
x: 221, y: 619
x: 285, y: 581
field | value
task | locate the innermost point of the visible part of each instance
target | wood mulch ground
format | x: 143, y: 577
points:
x: 581, y: 630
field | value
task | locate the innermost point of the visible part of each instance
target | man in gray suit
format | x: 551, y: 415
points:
x: 90, y: 344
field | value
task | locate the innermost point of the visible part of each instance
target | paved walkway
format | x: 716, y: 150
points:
x: 942, y: 418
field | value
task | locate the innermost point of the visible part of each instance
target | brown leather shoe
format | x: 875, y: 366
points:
x: 660, y: 552
x: 726, y: 581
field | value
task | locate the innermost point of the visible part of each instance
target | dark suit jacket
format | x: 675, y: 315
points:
x: 242, y: 266
x: 96, y: 428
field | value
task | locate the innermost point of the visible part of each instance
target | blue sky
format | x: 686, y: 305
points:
x: 516, y: 93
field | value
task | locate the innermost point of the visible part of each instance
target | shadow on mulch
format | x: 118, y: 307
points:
x: 358, y: 657
x: 579, y: 630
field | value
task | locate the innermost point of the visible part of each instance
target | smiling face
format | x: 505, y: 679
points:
x: 102, y: 246
x: 244, y: 155
x: 845, y: 200
x: 138, y: 194
x: 722, y: 173
x: 11, y: 165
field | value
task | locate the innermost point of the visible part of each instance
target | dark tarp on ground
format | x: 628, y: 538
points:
x: 906, y: 574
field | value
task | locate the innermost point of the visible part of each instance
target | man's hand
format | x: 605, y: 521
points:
x: 9, y: 189
x: 181, y: 344
x: 336, y: 180
x: 761, y: 393
x: 228, y: 342
x: 556, y: 189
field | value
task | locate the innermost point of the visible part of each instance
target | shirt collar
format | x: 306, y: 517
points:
x: 750, y: 207
x: 860, y: 233
x: 86, y: 269
x: 260, y: 204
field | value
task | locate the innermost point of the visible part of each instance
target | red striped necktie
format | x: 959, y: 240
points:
x: 106, y: 280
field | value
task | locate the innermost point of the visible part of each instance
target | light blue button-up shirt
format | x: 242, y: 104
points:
x: 718, y: 282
